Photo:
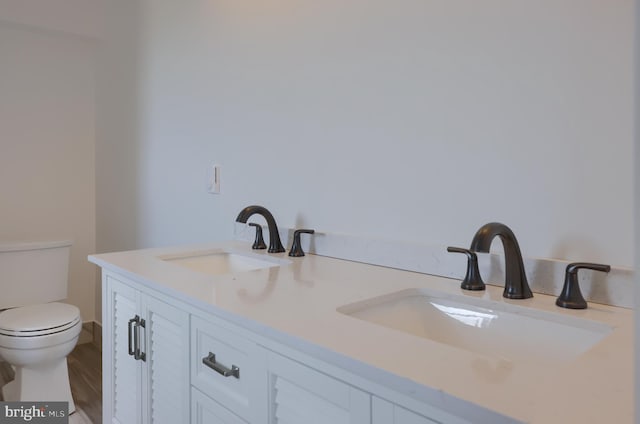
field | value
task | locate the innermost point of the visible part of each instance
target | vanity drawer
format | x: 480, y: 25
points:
x: 222, y: 365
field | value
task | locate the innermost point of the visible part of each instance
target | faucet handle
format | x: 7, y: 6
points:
x: 571, y: 296
x: 259, y: 241
x: 296, y: 248
x: 472, y: 281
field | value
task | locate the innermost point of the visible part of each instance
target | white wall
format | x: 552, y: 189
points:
x: 47, y: 141
x: 407, y: 120
x: 117, y: 165
x: 117, y: 145
x: 410, y: 120
x: 77, y: 17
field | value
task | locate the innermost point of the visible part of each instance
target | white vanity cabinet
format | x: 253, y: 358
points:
x: 145, y: 356
x: 165, y: 361
x: 227, y: 368
x: 299, y: 394
x: 385, y: 412
x: 235, y: 380
x: 205, y: 410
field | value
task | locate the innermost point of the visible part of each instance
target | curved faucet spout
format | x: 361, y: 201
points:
x: 275, y: 245
x: 515, y: 284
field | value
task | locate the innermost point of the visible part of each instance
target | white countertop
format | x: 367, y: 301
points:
x: 296, y: 304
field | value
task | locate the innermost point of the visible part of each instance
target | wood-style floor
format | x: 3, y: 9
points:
x: 85, y: 374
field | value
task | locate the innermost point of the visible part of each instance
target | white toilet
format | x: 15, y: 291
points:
x: 36, y: 332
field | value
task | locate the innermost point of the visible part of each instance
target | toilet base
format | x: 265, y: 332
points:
x: 49, y: 382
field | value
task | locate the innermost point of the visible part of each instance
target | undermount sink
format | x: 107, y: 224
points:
x: 487, y: 327
x: 219, y: 262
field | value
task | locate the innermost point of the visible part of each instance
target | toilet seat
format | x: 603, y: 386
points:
x: 38, y: 320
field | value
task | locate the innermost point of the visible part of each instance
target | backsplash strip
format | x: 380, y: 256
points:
x: 545, y: 276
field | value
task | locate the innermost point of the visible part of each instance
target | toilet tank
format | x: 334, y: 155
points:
x: 33, y: 272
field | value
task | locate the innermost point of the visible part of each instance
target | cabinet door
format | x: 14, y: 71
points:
x: 121, y: 381
x: 166, y: 369
x: 205, y: 410
x: 299, y: 394
x: 385, y: 412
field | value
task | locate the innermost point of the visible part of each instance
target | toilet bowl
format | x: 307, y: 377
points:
x: 36, y: 331
x: 36, y: 340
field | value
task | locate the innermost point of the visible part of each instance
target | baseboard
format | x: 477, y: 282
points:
x: 97, y: 335
x: 91, y: 333
x: 86, y: 334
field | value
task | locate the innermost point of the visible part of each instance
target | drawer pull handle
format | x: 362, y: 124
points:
x: 210, y: 361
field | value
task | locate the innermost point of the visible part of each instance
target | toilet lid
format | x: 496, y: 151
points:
x: 35, y: 320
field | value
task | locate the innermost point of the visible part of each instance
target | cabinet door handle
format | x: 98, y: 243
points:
x: 210, y: 361
x: 138, y: 354
x: 132, y: 350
